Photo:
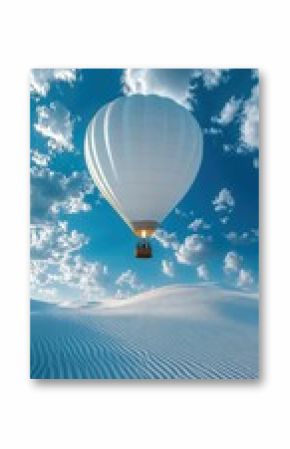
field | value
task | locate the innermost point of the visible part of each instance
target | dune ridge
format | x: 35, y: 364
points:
x: 206, y: 338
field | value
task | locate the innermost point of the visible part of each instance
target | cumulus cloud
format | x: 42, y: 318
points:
x: 56, y: 266
x: 245, y: 279
x: 249, y: 129
x: 130, y: 279
x: 41, y: 79
x: 211, y: 78
x: 198, y: 224
x: 228, y: 112
x: 170, y: 83
x: 202, y: 272
x: 168, y: 268
x: 177, y: 84
x: 52, y: 192
x: 223, y: 201
x: 166, y: 239
x: 246, y: 115
x: 54, y: 123
x: 40, y: 158
x: 53, y: 241
x: 189, y: 251
x: 78, y: 273
x: 81, y: 278
x: 224, y: 204
x: 232, y: 262
x: 233, y: 265
x: 244, y: 237
x: 39, y: 278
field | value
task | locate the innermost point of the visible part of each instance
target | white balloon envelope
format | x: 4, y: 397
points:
x: 143, y: 153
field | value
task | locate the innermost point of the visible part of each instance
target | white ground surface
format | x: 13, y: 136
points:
x: 177, y: 332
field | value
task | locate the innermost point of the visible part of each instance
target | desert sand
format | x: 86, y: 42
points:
x: 174, y: 332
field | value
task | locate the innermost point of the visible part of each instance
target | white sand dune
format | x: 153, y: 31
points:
x: 177, y: 332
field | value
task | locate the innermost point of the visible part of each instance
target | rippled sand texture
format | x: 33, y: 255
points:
x: 179, y: 332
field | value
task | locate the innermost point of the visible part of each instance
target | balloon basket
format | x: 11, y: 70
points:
x: 143, y: 250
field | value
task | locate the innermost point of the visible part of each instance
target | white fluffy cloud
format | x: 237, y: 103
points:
x: 189, y: 251
x: 211, y: 77
x: 168, y: 268
x: 53, y: 241
x: 41, y: 79
x: 246, y: 113
x: 170, y: 83
x: 81, y: 278
x: 54, y: 123
x: 40, y: 158
x: 232, y: 262
x: 249, y: 236
x: 55, y: 264
x: 130, y: 279
x: 228, y: 112
x: 233, y: 265
x: 177, y: 84
x: 245, y: 279
x: 202, y: 272
x: 78, y: 273
x: 198, y: 224
x: 224, y: 204
x: 223, y: 201
x: 250, y: 121
x: 166, y: 239
x: 52, y: 192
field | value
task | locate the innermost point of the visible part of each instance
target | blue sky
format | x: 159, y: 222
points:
x: 80, y: 248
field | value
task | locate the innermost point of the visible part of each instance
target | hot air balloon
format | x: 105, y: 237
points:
x: 143, y: 153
